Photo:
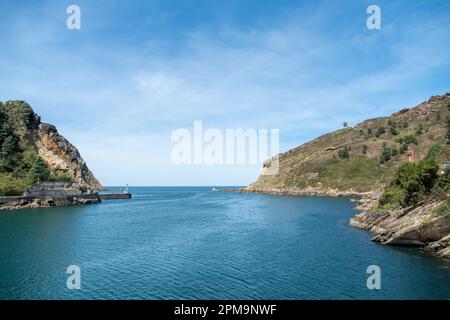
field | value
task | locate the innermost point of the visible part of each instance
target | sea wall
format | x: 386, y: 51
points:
x: 24, y: 202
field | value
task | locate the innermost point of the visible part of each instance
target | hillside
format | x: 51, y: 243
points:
x: 32, y: 151
x: 363, y: 158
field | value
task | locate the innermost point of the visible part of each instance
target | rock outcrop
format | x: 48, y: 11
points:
x: 414, y: 227
x: 61, y: 155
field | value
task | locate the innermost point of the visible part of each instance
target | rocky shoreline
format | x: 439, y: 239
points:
x: 412, y: 227
x: 310, y: 191
x: 26, y: 203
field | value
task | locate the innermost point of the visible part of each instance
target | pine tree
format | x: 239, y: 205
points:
x: 39, y: 171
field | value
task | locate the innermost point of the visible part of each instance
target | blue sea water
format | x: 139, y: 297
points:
x: 190, y: 243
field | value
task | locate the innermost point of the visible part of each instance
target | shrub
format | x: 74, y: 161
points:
x: 386, y: 155
x: 393, y: 131
x: 380, y: 131
x: 364, y: 149
x: 419, y: 129
x: 394, y: 151
x: 344, y: 152
x: 63, y: 177
x: 411, y: 184
x: 434, y: 152
x: 408, y: 139
x: 403, y: 148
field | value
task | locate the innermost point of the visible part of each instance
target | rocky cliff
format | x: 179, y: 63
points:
x: 396, y: 164
x: 31, y: 151
x: 61, y: 155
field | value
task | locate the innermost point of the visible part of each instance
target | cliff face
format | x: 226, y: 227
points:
x: 32, y: 139
x: 404, y: 203
x: 61, y: 155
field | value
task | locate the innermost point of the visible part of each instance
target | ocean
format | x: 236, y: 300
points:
x: 191, y: 243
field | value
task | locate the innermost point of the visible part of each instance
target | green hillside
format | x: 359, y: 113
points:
x: 365, y: 157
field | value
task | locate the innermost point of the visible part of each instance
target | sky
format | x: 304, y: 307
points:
x: 137, y: 70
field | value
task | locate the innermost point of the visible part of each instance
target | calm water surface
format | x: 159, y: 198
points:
x: 189, y: 243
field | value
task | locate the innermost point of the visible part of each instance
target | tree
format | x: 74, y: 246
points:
x: 9, y: 147
x: 369, y: 131
x: 39, y: 171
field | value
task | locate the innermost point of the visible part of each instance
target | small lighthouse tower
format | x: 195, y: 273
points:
x: 410, y: 154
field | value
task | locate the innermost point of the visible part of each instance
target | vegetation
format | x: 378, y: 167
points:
x: 408, y: 139
x: 38, y: 172
x: 364, y: 149
x: 419, y: 130
x: 344, y: 152
x: 414, y: 183
x: 357, y: 173
x: 387, y: 154
x: 448, y: 129
x: 381, y: 130
x: 434, y: 152
x: 403, y: 148
x: 393, y: 131
x: 20, y: 165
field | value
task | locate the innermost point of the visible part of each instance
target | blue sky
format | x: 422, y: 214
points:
x: 137, y: 70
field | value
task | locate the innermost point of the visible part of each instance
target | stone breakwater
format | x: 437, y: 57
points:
x: 23, y: 202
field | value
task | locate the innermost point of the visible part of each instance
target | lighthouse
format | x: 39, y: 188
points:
x: 410, y: 154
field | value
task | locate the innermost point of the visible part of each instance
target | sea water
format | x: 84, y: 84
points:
x: 191, y: 243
